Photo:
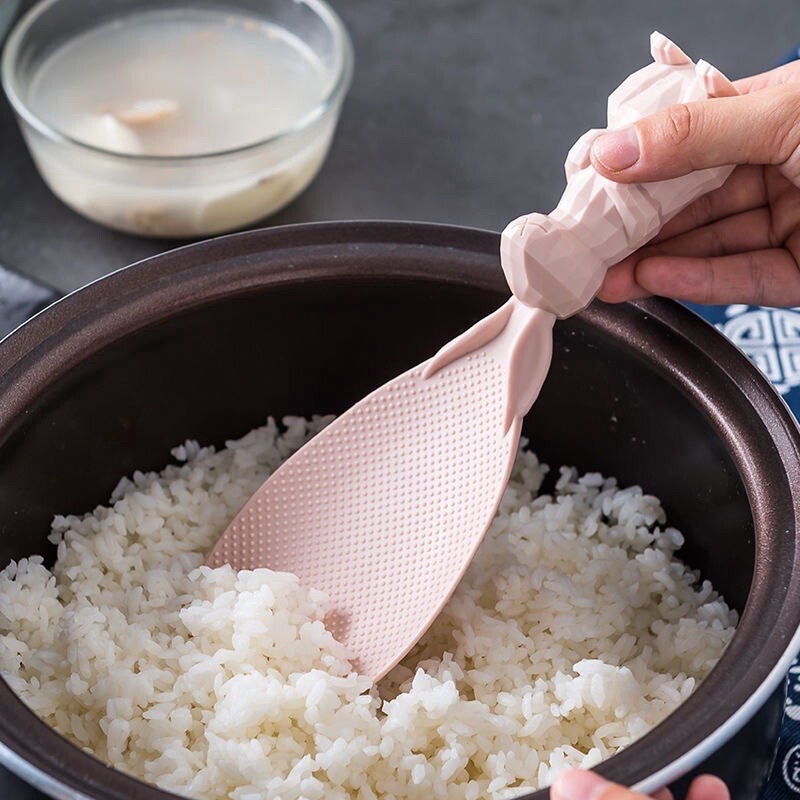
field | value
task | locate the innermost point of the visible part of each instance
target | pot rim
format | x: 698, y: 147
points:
x: 132, y: 298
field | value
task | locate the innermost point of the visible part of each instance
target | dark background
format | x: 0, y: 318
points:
x: 461, y: 111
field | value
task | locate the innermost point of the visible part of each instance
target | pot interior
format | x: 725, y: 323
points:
x: 628, y: 395
x: 216, y: 372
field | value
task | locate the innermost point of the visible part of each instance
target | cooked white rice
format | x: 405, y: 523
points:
x: 574, y: 632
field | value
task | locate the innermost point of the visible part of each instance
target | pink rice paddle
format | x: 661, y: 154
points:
x: 385, y: 508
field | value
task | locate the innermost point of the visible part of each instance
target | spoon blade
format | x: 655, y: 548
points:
x: 384, y: 509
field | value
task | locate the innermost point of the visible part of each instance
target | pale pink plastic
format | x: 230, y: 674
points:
x: 384, y: 509
x: 558, y: 261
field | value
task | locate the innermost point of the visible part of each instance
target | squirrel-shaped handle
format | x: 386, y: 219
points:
x: 557, y: 262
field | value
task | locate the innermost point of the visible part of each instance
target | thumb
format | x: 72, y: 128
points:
x: 758, y: 128
x: 577, y: 784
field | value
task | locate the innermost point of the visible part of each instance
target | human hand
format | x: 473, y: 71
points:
x: 740, y: 243
x: 576, y: 784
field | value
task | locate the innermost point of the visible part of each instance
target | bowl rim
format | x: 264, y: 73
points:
x: 200, y: 274
x: 329, y: 103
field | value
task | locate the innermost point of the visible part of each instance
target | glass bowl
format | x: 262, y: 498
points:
x: 187, y: 195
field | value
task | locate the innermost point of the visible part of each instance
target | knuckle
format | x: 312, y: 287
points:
x: 715, y: 244
x: 680, y: 122
x: 702, y: 210
x: 758, y: 277
x: 710, y: 286
x: 774, y: 237
x: 783, y: 122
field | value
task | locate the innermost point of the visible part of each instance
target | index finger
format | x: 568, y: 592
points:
x: 788, y: 73
x: 742, y: 191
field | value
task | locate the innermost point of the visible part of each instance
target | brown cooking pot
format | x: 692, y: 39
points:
x: 111, y: 377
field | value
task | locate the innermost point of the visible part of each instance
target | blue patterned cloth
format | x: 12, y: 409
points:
x: 771, y: 339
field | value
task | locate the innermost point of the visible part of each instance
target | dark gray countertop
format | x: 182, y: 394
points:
x: 461, y: 111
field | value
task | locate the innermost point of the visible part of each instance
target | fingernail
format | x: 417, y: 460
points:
x: 617, y: 150
x: 578, y: 784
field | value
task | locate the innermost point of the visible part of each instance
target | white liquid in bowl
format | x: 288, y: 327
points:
x: 184, y: 83
x: 200, y: 82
